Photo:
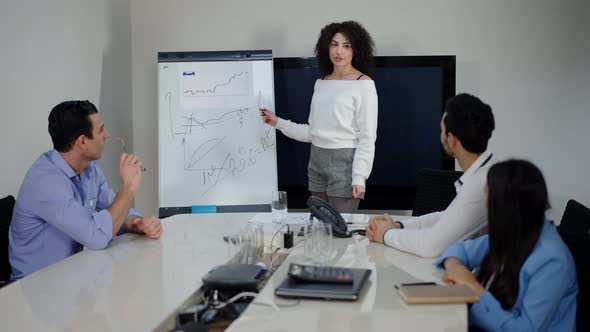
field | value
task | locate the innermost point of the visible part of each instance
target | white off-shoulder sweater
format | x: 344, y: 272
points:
x: 343, y: 115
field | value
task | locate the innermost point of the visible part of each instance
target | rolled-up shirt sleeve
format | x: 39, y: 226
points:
x: 58, y: 206
x: 105, y: 199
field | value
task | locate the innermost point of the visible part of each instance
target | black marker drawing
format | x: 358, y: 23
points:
x: 233, y: 164
x: 201, y: 151
x: 213, y: 90
x: 168, y: 98
x: 192, y: 122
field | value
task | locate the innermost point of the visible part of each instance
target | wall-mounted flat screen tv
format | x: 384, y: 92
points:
x: 412, y: 92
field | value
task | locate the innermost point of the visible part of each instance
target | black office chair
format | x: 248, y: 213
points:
x: 574, y: 230
x: 435, y: 190
x: 6, y: 207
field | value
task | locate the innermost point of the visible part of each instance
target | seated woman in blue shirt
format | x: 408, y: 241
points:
x: 523, y: 272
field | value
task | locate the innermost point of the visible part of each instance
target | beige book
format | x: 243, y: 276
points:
x: 433, y: 294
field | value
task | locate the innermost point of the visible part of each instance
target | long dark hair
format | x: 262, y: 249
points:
x: 517, y: 200
x: 362, y: 44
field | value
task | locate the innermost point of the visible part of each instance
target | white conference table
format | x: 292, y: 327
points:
x: 137, y: 284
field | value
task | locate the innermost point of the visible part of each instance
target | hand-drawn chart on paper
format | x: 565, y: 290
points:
x: 214, y: 148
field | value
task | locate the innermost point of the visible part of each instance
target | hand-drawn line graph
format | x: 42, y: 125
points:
x: 201, y: 151
x: 236, y: 84
x: 232, y: 164
x: 191, y: 122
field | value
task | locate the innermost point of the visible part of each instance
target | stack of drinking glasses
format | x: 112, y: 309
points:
x: 247, y: 245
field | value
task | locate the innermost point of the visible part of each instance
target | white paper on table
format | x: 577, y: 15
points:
x: 292, y: 218
x: 303, y: 217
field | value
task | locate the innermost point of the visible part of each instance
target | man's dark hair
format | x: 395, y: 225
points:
x: 68, y: 120
x: 470, y: 120
x: 362, y: 44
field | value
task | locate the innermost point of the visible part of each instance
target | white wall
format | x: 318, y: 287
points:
x: 51, y: 51
x: 528, y: 59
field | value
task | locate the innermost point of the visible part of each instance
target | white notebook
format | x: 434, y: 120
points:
x: 432, y: 294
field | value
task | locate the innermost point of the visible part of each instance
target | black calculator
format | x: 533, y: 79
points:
x: 320, y: 274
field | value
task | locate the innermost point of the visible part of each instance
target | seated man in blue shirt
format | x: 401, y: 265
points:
x: 65, y: 203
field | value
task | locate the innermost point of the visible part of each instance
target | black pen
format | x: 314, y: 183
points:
x: 122, y: 140
x: 397, y: 286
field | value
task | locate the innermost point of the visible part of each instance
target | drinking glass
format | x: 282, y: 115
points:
x: 251, y: 243
x: 318, y: 243
x: 279, y: 207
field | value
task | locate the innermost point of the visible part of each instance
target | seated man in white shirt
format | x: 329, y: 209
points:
x: 466, y: 127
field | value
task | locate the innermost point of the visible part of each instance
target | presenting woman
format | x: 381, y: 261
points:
x: 523, y: 272
x: 342, y: 125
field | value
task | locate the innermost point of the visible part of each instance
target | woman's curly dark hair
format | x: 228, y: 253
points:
x: 362, y: 45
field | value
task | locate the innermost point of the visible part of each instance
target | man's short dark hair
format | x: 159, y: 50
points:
x: 470, y: 120
x: 68, y: 120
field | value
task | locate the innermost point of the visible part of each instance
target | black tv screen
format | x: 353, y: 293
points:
x: 412, y: 91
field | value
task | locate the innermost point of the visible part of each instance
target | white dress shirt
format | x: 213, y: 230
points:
x: 466, y: 217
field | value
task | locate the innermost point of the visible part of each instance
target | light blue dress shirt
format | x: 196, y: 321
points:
x: 547, y: 287
x: 57, y: 213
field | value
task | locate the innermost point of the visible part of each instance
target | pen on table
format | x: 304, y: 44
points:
x: 397, y: 286
x: 122, y: 140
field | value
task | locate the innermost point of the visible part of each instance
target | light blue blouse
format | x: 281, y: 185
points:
x: 547, y: 293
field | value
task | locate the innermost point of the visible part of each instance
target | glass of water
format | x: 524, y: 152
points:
x: 318, y: 243
x: 279, y: 207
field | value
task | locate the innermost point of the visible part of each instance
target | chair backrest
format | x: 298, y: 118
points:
x: 435, y: 190
x: 574, y: 228
x: 6, y: 207
x: 575, y: 219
